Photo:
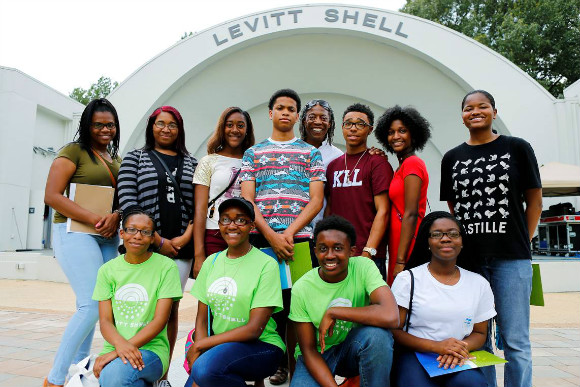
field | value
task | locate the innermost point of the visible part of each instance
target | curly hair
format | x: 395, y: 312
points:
x: 360, y: 108
x: 335, y: 222
x: 218, y: 138
x: 421, y: 253
x: 418, y: 126
x: 325, y: 105
x: 284, y: 93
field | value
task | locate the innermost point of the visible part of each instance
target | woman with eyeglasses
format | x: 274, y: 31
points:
x: 450, y: 307
x: 216, y: 179
x: 158, y: 179
x: 404, y: 131
x: 92, y: 158
x: 241, y: 288
x: 135, y: 292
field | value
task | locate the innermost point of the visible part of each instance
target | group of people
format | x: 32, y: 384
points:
x: 388, y: 280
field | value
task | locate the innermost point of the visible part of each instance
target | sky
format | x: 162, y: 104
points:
x: 72, y: 43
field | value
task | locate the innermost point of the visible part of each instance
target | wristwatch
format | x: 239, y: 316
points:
x: 370, y: 250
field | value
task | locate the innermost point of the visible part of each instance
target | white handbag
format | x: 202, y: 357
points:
x: 82, y: 373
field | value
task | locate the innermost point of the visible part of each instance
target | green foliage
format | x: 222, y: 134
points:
x: 101, y: 89
x: 186, y: 35
x: 542, y: 37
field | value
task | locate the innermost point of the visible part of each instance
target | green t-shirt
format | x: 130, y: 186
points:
x: 134, y: 291
x: 311, y: 297
x: 232, y: 287
x: 88, y: 171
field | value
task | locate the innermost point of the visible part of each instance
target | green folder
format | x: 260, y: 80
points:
x: 302, y: 262
x: 484, y: 359
x: 537, y: 295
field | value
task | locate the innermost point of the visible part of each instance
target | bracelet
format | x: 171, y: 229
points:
x: 160, y: 244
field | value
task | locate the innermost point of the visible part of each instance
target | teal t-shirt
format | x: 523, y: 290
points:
x: 134, y: 291
x: 232, y: 287
x: 311, y: 297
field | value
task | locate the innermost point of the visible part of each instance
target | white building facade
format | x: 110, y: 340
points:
x: 36, y: 121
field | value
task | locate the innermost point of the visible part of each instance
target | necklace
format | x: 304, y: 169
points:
x: 351, y: 171
x: 231, y: 280
x: 450, y: 278
x: 105, y: 155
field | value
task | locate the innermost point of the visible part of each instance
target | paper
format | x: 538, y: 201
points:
x: 290, y: 273
x: 95, y: 198
x: 482, y: 359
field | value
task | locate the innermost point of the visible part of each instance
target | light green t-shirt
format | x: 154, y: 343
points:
x: 232, y: 287
x: 88, y: 171
x: 134, y: 291
x: 311, y: 297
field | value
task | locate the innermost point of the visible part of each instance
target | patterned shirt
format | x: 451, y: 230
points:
x: 282, y: 171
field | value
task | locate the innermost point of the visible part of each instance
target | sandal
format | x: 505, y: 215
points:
x: 46, y: 383
x: 280, y: 377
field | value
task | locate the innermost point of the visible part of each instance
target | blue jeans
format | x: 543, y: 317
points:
x: 366, y: 351
x: 511, y: 283
x: 407, y: 372
x: 231, y: 364
x: 119, y: 374
x: 80, y: 256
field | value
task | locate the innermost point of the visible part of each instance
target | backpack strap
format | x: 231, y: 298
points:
x: 208, y: 309
x: 409, y: 310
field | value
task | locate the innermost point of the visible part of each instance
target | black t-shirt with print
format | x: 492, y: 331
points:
x: 486, y: 184
x: 169, y: 202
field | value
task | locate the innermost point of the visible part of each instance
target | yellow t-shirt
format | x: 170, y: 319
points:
x: 88, y: 171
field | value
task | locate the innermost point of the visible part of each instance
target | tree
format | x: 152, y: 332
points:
x: 542, y: 37
x: 101, y: 89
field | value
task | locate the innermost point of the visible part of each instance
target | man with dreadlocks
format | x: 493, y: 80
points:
x: 317, y: 129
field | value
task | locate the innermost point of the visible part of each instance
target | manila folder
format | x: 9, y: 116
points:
x: 95, y: 198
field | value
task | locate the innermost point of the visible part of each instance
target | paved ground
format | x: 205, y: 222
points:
x: 33, y: 315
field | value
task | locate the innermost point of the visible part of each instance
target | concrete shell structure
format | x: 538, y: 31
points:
x: 343, y: 54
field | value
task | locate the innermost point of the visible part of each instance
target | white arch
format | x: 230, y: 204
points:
x: 433, y: 64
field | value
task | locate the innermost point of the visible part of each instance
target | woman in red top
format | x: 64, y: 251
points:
x: 404, y: 131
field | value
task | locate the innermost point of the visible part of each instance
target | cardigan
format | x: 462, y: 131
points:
x: 138, y: 186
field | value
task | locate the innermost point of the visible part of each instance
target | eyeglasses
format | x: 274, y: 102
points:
x: 134, y: 231
x: 161, y: 125
x: 312, y: 118
x: 453, y: 234
x: 360, y: 125
x: 100, y: 125
x: 315, y: 102
x: 238, y: 221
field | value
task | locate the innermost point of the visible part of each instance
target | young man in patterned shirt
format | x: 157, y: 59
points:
x: 284, y: 177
